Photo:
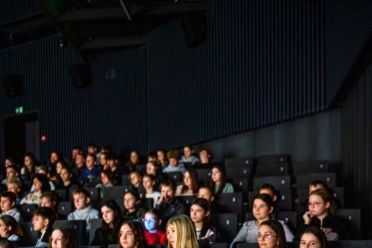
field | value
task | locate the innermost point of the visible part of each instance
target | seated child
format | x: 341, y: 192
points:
x: 188, y: 157
x: 16, y: 188
x: 206, y: 193
x: 8, y: 200
x: 107, y: 180
x: 41, y: 184
x: 218, y: 182
x: 153, y: 235
x: 135, y: 179
x: 271, y: 191
x: 63, y: 237
x: 112, y: 162
x: 189, y: 183
x: 133, y: 206
x: 200, y: 214
x: 49, y: 199
x: 91, y: 169
x: 10, y: 229
x: 83, y: 211
x: 43, y: 221
x: 149, y: 184
x: 153, y: 168
x: 174, y: 166
x: 11, y: 174
x: 132, y: 235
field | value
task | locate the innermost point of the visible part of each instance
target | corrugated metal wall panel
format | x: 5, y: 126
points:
x: 48, y: 89
x: 262, y: 64
x: 13, y: 10
x: 356, y: 149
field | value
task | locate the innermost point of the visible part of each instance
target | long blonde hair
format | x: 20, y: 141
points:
x: 186, y: 236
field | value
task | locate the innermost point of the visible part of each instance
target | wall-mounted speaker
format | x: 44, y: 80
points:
x: 80, y: 75
x: 12, y: 85
x: 195, y: 28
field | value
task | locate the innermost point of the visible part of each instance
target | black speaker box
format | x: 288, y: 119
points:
x: 195, y: 28
x: 80, y: 75
x: 12, y: 85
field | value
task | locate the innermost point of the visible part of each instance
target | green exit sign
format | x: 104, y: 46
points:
x: 19, y: 110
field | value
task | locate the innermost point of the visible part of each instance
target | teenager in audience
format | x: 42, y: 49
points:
x: 79, y: 161
x: 68, y: 180
x: 56, y: 178
x: 8, y: 203
x: 271, y: 235
x: 312, y: 237
x: 76, y: 150
x: 16, y: 188
x: 103, y: 162
x: 83, y: 211
x: 91, y: 169
x: 11, y: 174
x: 318, y: 184
x: 200, y: 215
x: 107, y: 180
x: 133, y: 206
x: 109, y: 231
x: 134, y: 160
x: 270, y: 190
x: 174, y: 166
x: 29, y: 169
x: 9, y: 161
x: 152, y: 168
x: 152, y: 157
x: 189, y: 183
x: 131, y: 235
x: 321, y: 214
x: 162, y: 158
x: 181, y: 232
x: 205, y: 157
x: 167, y: 204
x: 54, y: 157
x: 187, y: 156
x: 207, y: 193
x: 42, y: 169
x: 41, y: 184
x: 117, y: 171
x: 262, y: 209
x: 218, y: 182
x: 93, y: 148
x: 153, y: 235
x: 135, y: 179
x: 42, y: 222
x: 148, y: 182
x: 49, y: 199
x: 63, y: 238
x: 10, y: 229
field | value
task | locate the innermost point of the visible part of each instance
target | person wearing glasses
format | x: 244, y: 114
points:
x: 151, y: 222
x: 109, y: 231
x: 312, y: 237
x: 271, y: 235
x: 322, y: 215
x: 263, y: 206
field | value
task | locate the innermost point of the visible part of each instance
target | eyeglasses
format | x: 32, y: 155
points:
x: 150, y: 221
x: 314, y: 204
x: 310, y: 244
x: 265, y: 236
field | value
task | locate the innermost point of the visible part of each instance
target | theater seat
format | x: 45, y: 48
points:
x: 115, y: 192
x: 64, y: 209
x: 264, y: 170
x: 227, y: 226
x: 231, y: 203
x: 214, y: 245
x: 94, y: 224
x: 303, y: 181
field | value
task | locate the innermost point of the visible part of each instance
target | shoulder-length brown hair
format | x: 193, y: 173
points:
x: 69, y: 238
x: 138, y: 232
x: 194, y: 181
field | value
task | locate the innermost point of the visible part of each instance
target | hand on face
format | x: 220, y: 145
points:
x: 307, y: 217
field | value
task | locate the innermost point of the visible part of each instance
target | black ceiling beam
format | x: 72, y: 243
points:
x: 142, y: 10
x: 114, y: 42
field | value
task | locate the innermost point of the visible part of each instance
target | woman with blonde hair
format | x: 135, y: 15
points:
x: 181, y: 232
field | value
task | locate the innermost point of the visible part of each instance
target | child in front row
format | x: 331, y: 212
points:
x: 153, y: 235
x: 83, y: 210
x: 42, y: 221
x: 7, y: 203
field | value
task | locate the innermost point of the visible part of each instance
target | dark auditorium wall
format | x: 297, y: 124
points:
x: 262, y: 64
x: 357, y: 146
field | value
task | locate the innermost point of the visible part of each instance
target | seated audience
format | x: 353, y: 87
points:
x: 11, y: 174
x: 149, y: 184
x: 41, y: 184
x: 181, y: 232
x: 262, y: 208
x: 312, y: 237
x: 135, y: 179
x: 109, y: 231
x: 205, y: 158
x: 8, y: 202
x: 321, y: 214
x: 152, y: 168
x: 93, y: 148
x: 42, y: 169
x: 131, y: 235
x: 189, y: 183
x: 187, y: 156
x: 134, y: 160
x: 133, y: 206
x: 103, y: 162
x: 91, y: 169
x: 68, y: 181
x: 200, y: 215
x: 207, y: 193
x: 270, y: 190
x: 63, y: 237
x: 5, y: 243
x: 174, y: 166
x: 167, y: 204
x: 76, y: 150
x: 16, y: 188
x: 117, y: 171
x: 29, y: 170
x: 271, y: 235
x: 218, y: 180
x: 83, y: 211
x: 153, y: 235
x: 162, y: 158
x: 107, y: 180
x: 49, y: 200
x: 43, y: 221
x: 80, y: 161
x: 10, y: 229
